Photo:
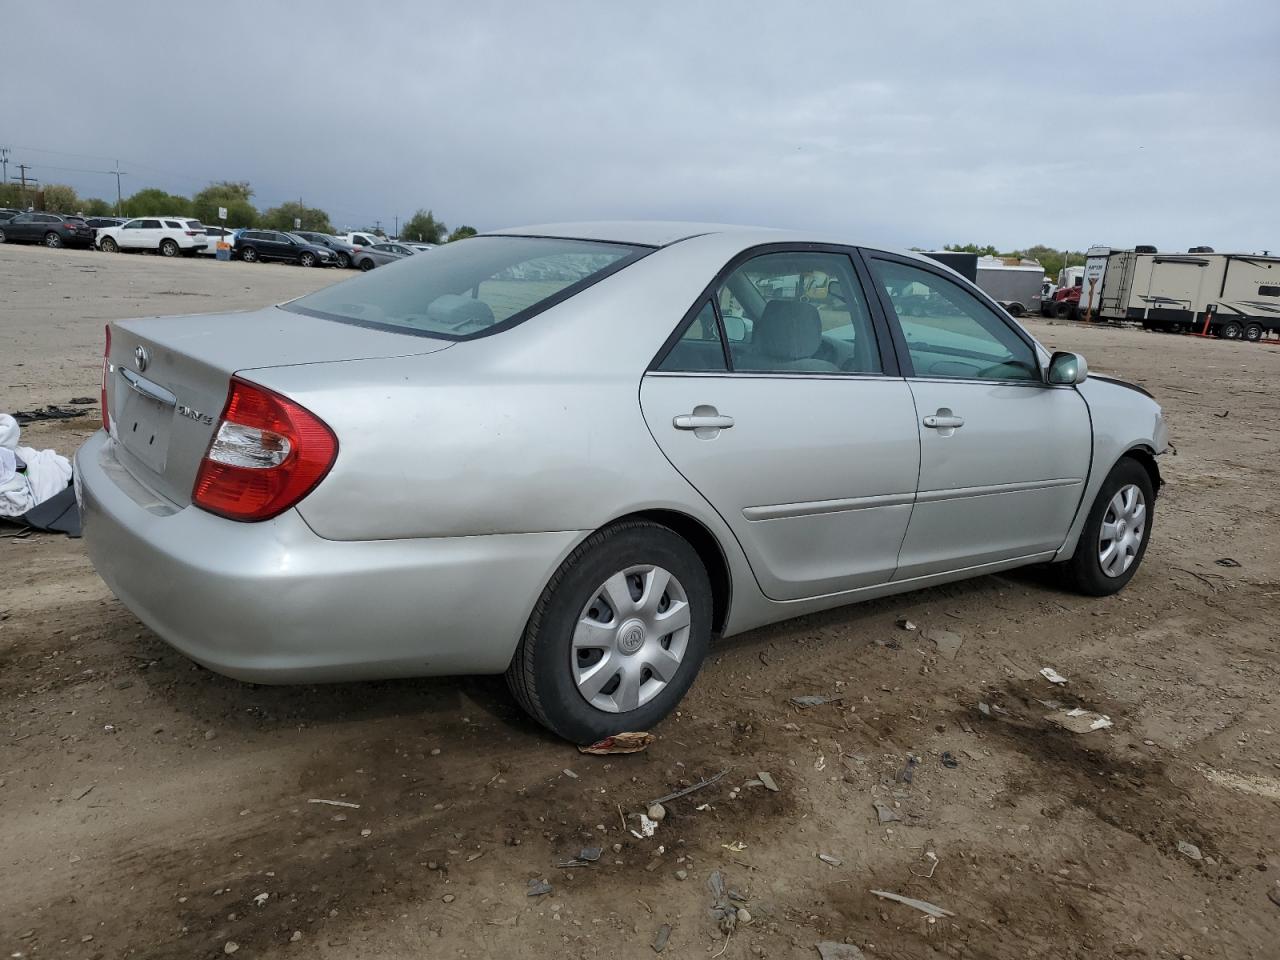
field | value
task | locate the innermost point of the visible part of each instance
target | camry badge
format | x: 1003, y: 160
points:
x: 141, y: 358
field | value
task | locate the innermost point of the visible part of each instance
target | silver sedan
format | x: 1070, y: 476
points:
x: 576, y: 453
x: 366, y: 258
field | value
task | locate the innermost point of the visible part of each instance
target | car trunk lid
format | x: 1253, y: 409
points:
x: 168, y: 379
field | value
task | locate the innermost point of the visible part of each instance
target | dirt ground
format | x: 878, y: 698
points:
x: 149, y: 808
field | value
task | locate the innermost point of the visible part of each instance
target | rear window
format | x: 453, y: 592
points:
x: 470, y: 288
x: 194, y: 225
x: 173, y: 224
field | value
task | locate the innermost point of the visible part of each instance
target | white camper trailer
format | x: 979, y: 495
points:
x: 1231, y: 295
x: 1013, y: 283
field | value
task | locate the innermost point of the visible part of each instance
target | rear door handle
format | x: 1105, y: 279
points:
x: 943, y: 421
x: 690, y: 421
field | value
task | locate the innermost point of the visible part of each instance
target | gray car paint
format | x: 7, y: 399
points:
x: 490, y: 460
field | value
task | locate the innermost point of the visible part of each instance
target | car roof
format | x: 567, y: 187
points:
x: 652, y: 233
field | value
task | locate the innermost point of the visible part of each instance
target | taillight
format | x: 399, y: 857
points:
x: 106, y: 370
x: 268, y: 453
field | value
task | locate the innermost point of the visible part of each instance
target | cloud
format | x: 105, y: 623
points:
x: 921, y: 123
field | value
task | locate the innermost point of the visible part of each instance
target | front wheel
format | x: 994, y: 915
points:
x: 307, y: 260
x: 1116, y: 532
x: 168, y: 248
x: 249, y: 255
x: 2, y: 237
x: 1231, y: 330
x: 343, y: 260
x: 617, y: 636
x: 52, y: 240
x: 108, y: 245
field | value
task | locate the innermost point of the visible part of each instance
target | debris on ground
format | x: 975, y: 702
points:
x: 648, y: 827
x: 657, y: 812
x: 924, y: 906
x: 830, y: 861
x: 722, y: 910
x: 1274, y: 894
x: 335, y: 803
x: 661, y: 937
x: 586, y: 856
x: 538, y: 888
x: 905, y: 624
x: 814, y: 701
x: 705, y: 782
x: 1052, y: 675
x: 1079, y: 720
x: 885, y: 813
x: 1189, y: 850
x: 50, y: 412
x: 925, y: 866
x: 767, y: 780
x: 947, y: 642
x: 949, y: 760
x: 991, y: 709
x: 830, y: 950
x: 83, y: 401
x: 619, y: 743
x: 893, y: 643
x: 261, y: 899
x: 1228, y: 562
x: 908, y: 771
x: 737, y: 846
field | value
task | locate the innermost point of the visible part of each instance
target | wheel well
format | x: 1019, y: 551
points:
x: 1148, y: 462
x: 709, y: 552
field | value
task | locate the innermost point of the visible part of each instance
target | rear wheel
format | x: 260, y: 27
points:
x: 307, y: 259
x: 617, y: 636
x: 366, y: 264
x: 343, y: 260
x: 1116, y: 532
x: 109, y: 246
x: 1016, y: 310
x: 2, y: 237
x: 1231, y: 330
x: 52, y: 240
x: 249, y: 255
x: 168, y: 248
x: 1062, y: 310
x: 1253, y: 332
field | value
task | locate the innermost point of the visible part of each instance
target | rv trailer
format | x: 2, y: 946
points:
x: 1231, y: 295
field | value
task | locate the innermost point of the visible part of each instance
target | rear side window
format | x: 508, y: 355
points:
x: 173, y: 224
x: 151, y: 224
x: 465, y: 290
x: 699, y: 349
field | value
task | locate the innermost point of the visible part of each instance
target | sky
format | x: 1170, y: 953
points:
x: 901, y: 124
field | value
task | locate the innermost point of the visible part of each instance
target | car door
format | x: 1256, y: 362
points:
x: 20, y: 227
x: 128, y: 237
x: 282, y: 247
x: 1003, y: 455
x: 787, y: 413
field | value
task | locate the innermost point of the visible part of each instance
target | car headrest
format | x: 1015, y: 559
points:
x: 789, y: 330
x: 454, y: 310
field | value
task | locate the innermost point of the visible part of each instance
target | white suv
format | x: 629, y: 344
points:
x: 168, y: 236
x: 359, y: 238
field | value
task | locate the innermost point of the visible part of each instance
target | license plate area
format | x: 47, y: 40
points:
x: 145, y: 419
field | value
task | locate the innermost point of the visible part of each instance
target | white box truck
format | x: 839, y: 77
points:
x: 1231, y: 295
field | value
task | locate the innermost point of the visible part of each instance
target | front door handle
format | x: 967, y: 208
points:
x: 943, y: 422
x: 692, y: 421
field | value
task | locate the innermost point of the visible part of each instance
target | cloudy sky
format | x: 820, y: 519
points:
x: 911, y: 123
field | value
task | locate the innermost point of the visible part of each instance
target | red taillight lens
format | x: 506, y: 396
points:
x: 267, y: 454
x: 106, y: 370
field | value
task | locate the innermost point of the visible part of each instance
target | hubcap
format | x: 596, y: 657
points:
x: 630, y: 639
x: 1123, y: 527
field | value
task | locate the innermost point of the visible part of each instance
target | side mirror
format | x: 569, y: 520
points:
x: 1067, y: 368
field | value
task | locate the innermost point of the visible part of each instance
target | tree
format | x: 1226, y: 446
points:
x: 987, y: 251
x: 59, y: 198
x: 235, y: 196
x: 283, y: 216
x: 152, y: 201
x: 93, y: 207
x: 11, y: 196
x: 461, y: 233
x: 424, y: 228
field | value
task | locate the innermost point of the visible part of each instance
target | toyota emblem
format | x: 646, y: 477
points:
x: 141, y: 358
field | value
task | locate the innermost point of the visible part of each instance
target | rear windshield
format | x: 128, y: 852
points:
x: 471, y: 287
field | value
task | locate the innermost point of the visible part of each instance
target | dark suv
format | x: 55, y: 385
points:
x: 343, y: 252
x: 51, y: 229
x: 254, y: 245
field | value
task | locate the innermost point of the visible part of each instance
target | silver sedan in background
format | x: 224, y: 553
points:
x: 575, y: 453
x: 366, y: 258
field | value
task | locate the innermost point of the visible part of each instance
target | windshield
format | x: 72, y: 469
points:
x: 471, y: 287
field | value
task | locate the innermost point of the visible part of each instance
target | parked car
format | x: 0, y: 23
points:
x: 421, y: 247
x: 581, y: 477
x: 343, y: 252
x: 366, y: 258
x: 219, y: 234
x: 254, y: 245
x: 167, y: 236
x: 99, y: 223
x: 360, y: 239
x: 51, y: 229
x: 7, y: 213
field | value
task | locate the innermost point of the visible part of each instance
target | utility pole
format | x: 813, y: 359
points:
x: 22, y: 171
x: 377, y: 225
x: 119, y: 202
x: 4, y: 159
x: 397, y: 226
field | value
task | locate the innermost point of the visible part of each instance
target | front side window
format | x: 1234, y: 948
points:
x: 950, y: 332
x: 464, y: 290
x: 151, y: 224
x: 133, y: 225
x: 798, y: 312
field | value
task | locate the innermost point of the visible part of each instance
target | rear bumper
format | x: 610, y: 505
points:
x: 273, y: 602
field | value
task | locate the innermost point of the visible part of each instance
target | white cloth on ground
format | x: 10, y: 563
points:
x: 47, y: 472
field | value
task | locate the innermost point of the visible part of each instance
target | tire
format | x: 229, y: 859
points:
x: 1085, y: 570
x: 249, y: 255
x: 1231, y: 330
x: 52, y: 240
x: 343, y: 260
x: 1062, y: 309
x: 168, y: 248
x: 2, y: 236
x: 1253, y: 332
x: 547, y: 668
x: 366, y: 265
x: 109, y: 246
x: 1016, y: 310
x: 307, y: 260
